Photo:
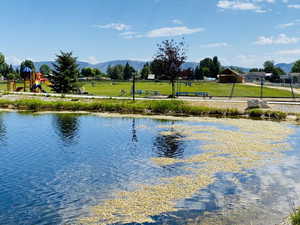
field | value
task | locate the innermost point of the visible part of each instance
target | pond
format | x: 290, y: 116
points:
x: 91, y: 169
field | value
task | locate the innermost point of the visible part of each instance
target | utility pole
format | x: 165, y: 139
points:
x: 261, y: 87
x: 233, y: 87
x: 133, y: 87
x: 291, y: 85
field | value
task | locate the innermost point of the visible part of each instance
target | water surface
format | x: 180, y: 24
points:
x: 54, y: 168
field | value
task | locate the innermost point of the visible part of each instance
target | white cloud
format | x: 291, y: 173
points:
x: 280, y: 39
x: 237, y: 5
x: 296, y: 6
x: 215, y: 45
x: 287, y: 25
x: 290, y: 24
x: 289, y: 52
x: 172, y: 31
x: 244, y: 5
x: 114, y: 26
x: 162, y: 32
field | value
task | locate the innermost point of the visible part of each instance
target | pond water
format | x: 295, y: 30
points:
x: 87, y: 169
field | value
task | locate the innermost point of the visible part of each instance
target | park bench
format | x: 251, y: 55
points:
x: 140, y: 92
x: 198, y: 94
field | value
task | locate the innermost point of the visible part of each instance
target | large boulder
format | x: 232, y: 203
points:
x: 257, y: 104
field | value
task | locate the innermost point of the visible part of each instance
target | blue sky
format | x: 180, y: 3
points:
x: 240, y: 32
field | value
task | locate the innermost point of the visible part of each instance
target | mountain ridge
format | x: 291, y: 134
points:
x: 138, y: 65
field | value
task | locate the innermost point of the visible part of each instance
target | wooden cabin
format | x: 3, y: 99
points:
x: 230, y: 76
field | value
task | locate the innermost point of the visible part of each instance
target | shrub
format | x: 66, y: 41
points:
x: 256, y: 113
x: 295, y: 218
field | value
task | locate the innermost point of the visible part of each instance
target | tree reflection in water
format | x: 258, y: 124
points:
x: 2, y: 129
x: 67, y: 127
x: 133, y: 129
x: 169, y: 146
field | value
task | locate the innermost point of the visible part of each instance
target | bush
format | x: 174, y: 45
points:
x: 275, y: 115
x: 295, y: 218
x: 256, y: 113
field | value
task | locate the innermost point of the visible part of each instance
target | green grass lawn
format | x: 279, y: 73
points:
x: 109, y: 88
x: 214, y: 89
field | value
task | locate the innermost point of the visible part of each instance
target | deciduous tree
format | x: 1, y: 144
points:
x: 172, y: 55
x: 296, y: 67
x: 45, y: 69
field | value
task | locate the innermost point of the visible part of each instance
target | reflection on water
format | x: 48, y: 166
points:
x: 2, y: 128
x: 134, y: 135
x: 169, y: 145
x: 67, y: 127
x: 40, y: 184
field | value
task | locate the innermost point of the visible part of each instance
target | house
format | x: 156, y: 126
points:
x: 254, y: 76
x: 295, y: 77
x: 230, y: 76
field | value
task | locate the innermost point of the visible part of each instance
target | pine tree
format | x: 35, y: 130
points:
x: 65, y: 73
x: 128, y: 72
x: 216, y: 67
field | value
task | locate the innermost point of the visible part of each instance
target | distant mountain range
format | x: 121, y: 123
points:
x: 138, y: 65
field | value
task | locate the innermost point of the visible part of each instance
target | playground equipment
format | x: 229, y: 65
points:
x: 11, y: 85
x: 32, y: 82
x: 35, y: 82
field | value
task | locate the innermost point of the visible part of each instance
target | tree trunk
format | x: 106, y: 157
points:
x: 173, y: 88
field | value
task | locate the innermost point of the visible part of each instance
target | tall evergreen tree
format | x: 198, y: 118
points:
x: 2, y: 59
x: 11, y: 69
x: 216, y: 67
x: 65, y: 73
x: 128, y: 72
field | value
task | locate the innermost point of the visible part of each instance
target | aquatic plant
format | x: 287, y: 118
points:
x: 247, y: 146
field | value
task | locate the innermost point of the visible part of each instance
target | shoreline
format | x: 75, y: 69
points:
x: 177, y: 108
